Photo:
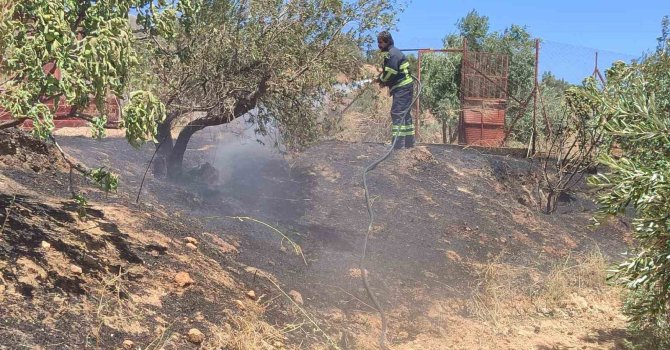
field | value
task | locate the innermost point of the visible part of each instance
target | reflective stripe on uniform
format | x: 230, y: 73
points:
x: 408, y: 80
x: 390, y: 72
x: 406, y: 130
x: 389, y: 69
x: 403, y: 130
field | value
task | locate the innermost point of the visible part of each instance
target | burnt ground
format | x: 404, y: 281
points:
x: 442, y: 216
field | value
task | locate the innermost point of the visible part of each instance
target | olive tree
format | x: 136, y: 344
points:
x: 80, y: 52
x: 271, y: 61
x: 636, y: 104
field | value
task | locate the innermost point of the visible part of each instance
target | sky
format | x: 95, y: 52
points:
x: 571, y: 30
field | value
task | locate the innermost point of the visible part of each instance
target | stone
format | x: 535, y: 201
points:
x: 2, y: 288
x: 191, y: 246
x: 335, y: 315
x: 128, y: 344
x: 183, y: 279
x: 453, y: 256
x: 580, y: 302
x: 297, y: 297
x: 191, y: 240
x: 251, y: 295
x: 240, y: 305
x: 536, y: 328
x: 76, y: 269
x: 46, y: 245
x: 195, y: 336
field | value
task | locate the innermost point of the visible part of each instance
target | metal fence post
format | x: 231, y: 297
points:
x: 418, y: 100
x: 535, y: 90
x: 461, y: 126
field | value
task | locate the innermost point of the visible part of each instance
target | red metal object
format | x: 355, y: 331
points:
x: 64, y: 113
x: 483, y: 98
x: 535, y: 90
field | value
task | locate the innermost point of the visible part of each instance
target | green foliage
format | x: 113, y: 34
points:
x: 633, y: 108
x: 552, y: 102
x: 274, y: 58
x: 81, y: 204
x: 474, y: 28
x: 647, y: 333
x: 441, y: 77
x: 104, y: 179
x: 142, y: 114
x: 98, y: 126
x: 80, y: 53
x: 77, y: 52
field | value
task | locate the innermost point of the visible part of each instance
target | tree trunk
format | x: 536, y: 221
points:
x: 551, y: 202
x: 12, y: 123
x: 455, y: 132
x: 164, y: 148
x: 175, y: 160
x: 451, y: 135
x: 444, y: 131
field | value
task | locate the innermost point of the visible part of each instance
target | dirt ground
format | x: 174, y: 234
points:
x: 460, y: 257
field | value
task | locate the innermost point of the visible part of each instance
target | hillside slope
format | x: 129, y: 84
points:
x: 459, y: 256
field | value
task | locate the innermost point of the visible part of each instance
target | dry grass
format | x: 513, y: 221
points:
x: 430, y: 129
x: 369, y: 120
x: 497, y: 287
x: 504, y: 292
x: 113, y: 308
x: 566, y: 279
x: 247, y: 331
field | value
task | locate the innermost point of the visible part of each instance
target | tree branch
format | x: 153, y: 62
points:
x: 73, y: 163
x: 306, y: 67
x: 80, y: 16
x: 12, y: 123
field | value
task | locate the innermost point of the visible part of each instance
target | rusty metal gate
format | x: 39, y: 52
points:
x: 483, y: 98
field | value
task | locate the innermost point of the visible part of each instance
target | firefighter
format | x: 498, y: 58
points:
x: 395, y: 75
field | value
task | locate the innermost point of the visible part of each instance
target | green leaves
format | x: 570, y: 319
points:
x: 81, y: 51
x: 275, y: 58
x: 98, y: 126
x: 104, y: 179
x: 441, y: 74
x: 78, y: 52
x: 141, y: 117
x: 81, y: 203
x: 632, y: 108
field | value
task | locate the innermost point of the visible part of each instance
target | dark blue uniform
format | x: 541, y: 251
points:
x: 396, y: 77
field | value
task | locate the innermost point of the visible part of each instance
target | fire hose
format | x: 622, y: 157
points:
x: 372, y: 166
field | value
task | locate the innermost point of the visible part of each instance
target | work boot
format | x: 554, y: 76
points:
x: 400, y: 143
x: 409, y: 141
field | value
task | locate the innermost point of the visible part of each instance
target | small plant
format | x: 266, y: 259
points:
x: 81, y: 204
x: 104, y: 179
